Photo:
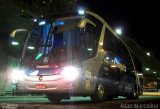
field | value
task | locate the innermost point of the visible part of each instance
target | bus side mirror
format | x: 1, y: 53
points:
x: 15, y: 49
x: 16, y: 43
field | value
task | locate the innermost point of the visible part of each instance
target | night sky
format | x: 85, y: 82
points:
x: 138, y: 18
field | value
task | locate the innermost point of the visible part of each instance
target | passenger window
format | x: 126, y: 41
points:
x: 116, y: 46
x: 89, y: 41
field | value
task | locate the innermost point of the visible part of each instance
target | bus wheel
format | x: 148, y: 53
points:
x: 134, y: 94
x: 54, y: 98
x: 99, y: 93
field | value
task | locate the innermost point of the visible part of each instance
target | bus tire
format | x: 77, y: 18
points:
x: 100, y: 93
x: 135, y: 93
x: 54, y: 98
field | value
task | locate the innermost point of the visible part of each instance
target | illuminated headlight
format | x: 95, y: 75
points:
x: 17, y: 75
x: 34, y: 73
x: 70, y: 73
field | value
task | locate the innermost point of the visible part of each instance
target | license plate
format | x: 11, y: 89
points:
x: 40, y: 86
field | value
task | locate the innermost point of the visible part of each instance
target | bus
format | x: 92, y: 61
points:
x: 76, y: 55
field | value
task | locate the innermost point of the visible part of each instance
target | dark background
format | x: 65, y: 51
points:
x: 138, y: 18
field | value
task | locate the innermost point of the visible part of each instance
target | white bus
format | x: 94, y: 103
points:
x: 76, y: 55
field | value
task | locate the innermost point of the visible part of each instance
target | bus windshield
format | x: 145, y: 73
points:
x: 65, y: 48
x: 62, y: 42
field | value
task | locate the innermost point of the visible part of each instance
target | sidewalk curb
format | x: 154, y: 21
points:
x: 22, y: 97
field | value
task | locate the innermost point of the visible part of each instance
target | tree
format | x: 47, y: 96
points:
x: 44, y: 7
x: 140, y: 53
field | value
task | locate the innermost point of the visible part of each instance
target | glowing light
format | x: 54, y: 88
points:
x: 90, y: 49
x: 81, y: 12
x: 148, y: 53
x: 139, y: 74
x: 70, y: 73
x: 101, y: 44
x: 35, y: 20
x: 39, y: 56
x: 34, y: 73
x: 119, y: 31
x: 17, y: 75
x: 107, y: 58
x: 14, y: 43
x: 147, y: 69
x: 31, y: 47
x: 42, y: 23
x: 113, y: 66
x: 154, y: 72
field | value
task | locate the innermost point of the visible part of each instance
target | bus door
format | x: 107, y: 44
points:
x: 110, y: 73
x: 126, y: 69
x: 112, y: 45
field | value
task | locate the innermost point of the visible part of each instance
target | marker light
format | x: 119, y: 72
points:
x: 90, y: 49
x: 42, y: 23
x: 70, y: 73
x: 139, y: 74
x: 81, y: 12
x: 39, y: 56
x: 35, y: 20
x: 31, y: 47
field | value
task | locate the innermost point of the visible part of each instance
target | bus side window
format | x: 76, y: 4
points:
x: 109, y: 42
x: 123, y: 52
x: 137, y: 63
x: 89, y: 43
x: 113, y: 44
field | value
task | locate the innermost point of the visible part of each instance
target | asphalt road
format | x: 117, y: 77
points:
x: 38, y: 102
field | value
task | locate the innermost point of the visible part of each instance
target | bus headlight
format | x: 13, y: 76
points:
x: 18, y: 75
x: 70, y: 73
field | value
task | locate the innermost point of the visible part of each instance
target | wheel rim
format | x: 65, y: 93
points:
x: 100, y: 91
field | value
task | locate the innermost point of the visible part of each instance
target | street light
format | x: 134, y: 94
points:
x: 119, y: 31
x: 147, y: 69
x: 154, y: 72
x: 148, y: 54
x: 81, y: 11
